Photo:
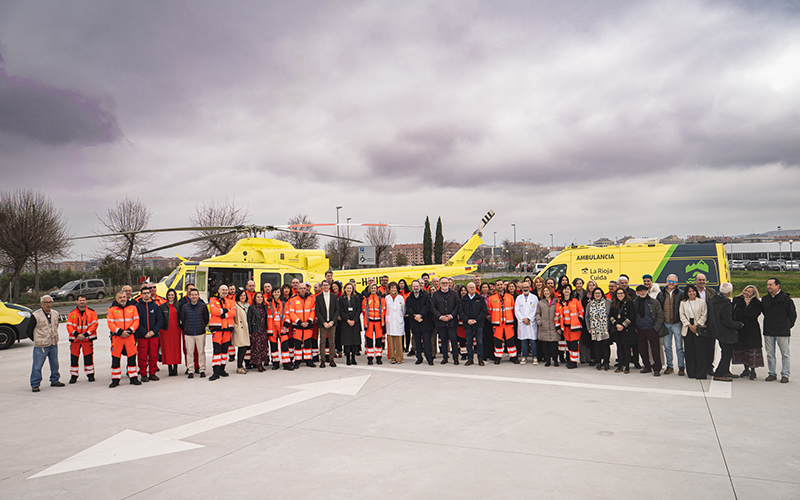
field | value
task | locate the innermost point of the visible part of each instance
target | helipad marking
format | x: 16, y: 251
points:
x: 716, y: 389
x: 134, y: 445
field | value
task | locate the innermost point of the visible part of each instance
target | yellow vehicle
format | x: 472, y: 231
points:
x: 266, y: 260
x: 603, y: 264
x: 15, y: 324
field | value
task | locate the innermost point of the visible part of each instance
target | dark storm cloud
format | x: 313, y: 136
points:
x: 51, y: 115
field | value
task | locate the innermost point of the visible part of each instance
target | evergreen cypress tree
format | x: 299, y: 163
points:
x: 427, y: 244
x: 438, y: 243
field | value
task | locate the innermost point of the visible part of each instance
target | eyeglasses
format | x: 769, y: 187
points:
x: 671, y: 281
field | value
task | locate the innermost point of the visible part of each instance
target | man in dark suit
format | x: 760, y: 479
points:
x: 326, y: 312
x: 418, y: 307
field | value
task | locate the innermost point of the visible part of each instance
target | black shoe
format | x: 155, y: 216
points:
x: 135, y: 381
x: 288, y: 367
x: 369, y: 361
x: 90, y: 377
x: 515, y: 360
x: 547, y: 363
x: 36, y: 389
x: 215, y: 376
x: 379, y: 360
x: 637, y: 366
x: 57, y: 384
x: 455, y: 361
x: 411, y: 353
x: 191, y: 375
x: 73, y: 379
x: 592, y: 363
x: 497, y: 361
x: 753, y: 374
x: 222, y: 372
x: 417, y: 362
x: 297, y: 364
x: 555, y: 363
x: 745, y: 372
x: 202, y: 374
x: 354, y: 359
x: 114, y: 383
x: 444, y: 361
x: 311, y: 364
x: 606, y: 367
x: 784, y: 380
x: 275, y: 366
x: 430, y: 362
x: 348, y: 361
x: 771, y: 378
x: 598, y: 366
x: 231, y: 359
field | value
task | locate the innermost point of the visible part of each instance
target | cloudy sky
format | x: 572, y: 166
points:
x: 582, y: 119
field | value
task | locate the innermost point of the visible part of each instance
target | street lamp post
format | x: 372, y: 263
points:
x: 348, y: 227
x: 551, y: 241
x: 337, y: 220
x: 515, y: 233
x: 791, y: 256
x: 779, y: 242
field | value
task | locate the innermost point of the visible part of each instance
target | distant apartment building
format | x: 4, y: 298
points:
x: 413, y: 252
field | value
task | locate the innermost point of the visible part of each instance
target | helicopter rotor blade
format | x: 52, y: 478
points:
x: 167, y: 230
x: 318, y: 234
x: 345, y: 224
x: 192, y: 240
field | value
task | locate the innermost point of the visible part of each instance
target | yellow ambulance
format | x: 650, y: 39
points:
x: 637, y: 258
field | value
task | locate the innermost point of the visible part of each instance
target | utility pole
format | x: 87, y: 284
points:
x: 551, y: 241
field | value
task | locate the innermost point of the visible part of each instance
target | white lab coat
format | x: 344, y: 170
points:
x: 525, y: 307
x: 395, y: 312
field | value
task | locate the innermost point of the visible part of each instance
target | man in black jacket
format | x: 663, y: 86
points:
x: 472, y: 314
x: 780, y: 316
x: 444, y: 306
x: 193, y: 318
x: 723, y: 327
x: 418, y: 307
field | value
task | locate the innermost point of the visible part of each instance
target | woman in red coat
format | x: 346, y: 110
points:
x: 171, y: 336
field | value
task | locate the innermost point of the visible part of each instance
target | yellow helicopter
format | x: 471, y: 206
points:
x: 266, y: 260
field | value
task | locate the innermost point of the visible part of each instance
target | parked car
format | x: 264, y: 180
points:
x: 94, y: 288
x: 755, y: 265
x: 738, y: 265
x: 792, y: 265
x: 774, y: 265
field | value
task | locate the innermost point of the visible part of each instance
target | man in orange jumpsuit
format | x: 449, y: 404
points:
x: 501, y: 313
x: 82, y: 329
x: 302, y: 310
x: 373, y: 308
x: 123, y: 320
x: 222, y: 312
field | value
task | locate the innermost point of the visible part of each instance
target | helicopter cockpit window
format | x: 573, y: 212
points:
x: 189, y: 279
x: 288, y: 277
x: 171, y: 278
x: 179, y: 286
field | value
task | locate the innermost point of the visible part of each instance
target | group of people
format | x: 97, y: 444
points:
x: 548, y: 321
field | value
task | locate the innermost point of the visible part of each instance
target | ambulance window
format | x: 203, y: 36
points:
x: 555, y: 271
x: 189, y: 279
x: 288, y: 277
x: 272, y: 278
x: 201, y: 281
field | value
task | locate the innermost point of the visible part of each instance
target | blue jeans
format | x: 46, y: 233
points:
x: 674, y: 330
x: 528, y: 344
x: 469, y: 332
x: 39, y: 355
x: 783, y: 344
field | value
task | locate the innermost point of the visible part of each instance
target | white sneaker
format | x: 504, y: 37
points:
x: 523, y: 361
x: 535, y: 361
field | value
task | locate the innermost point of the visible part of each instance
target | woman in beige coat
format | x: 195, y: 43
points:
x: 240, y: 338
x: 546, y: 319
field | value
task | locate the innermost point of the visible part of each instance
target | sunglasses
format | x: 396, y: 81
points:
x: 671, y: 281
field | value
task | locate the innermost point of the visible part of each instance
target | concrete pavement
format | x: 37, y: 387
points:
x: 407, y: 432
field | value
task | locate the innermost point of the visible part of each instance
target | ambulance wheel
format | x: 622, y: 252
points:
x: 70, y: 298
x: 100, y: 295
x: 7, y: 337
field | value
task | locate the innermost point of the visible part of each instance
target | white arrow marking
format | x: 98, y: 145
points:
x: 133, y: 445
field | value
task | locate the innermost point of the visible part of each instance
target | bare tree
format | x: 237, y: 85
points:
x: 30, y: 227
x: 340, y: 252
x: 382, y: 238
x: 128, y: 215
x: 301, y: 241
x: 223, y: 214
